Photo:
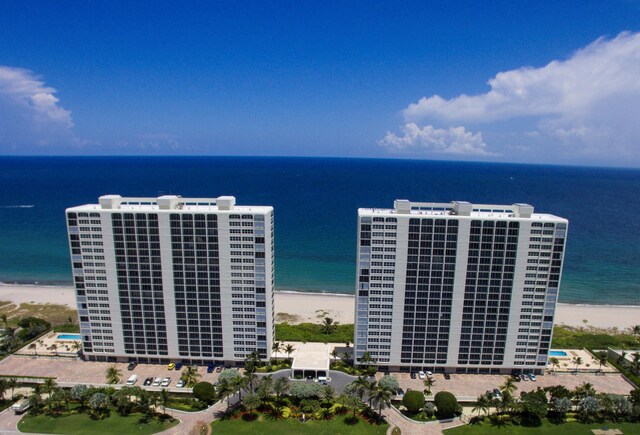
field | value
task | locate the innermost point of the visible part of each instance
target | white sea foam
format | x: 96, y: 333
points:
x: 17, y: 206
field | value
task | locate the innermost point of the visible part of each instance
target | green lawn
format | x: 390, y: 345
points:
x: 81, y: 424
x: 313, y: 332
x: 335, y: 426
x: 545, y: 428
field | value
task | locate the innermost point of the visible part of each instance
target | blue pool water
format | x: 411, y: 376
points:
x: 69, y: 337
x: 557, y: 353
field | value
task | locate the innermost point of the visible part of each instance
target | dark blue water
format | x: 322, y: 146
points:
x: 316, y: 202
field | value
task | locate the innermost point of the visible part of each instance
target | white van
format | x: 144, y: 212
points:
x: 21, y: 406
x: 132, y: 380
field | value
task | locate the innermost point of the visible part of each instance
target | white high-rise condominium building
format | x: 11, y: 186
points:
x: 173, y: 279
x: 459, y: 287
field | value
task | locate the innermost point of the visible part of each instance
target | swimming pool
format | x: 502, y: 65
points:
x: 557, y: 353
x: 69, y: 337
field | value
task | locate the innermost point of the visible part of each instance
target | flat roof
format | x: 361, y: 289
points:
x: 312, y: 356
x: 460, y: 209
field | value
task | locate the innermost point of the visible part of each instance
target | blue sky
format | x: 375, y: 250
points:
x: 543, y: 82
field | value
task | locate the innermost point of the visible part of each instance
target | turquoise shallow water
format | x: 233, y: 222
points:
x: 316, y: 202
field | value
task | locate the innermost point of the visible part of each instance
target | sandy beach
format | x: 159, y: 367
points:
x: 297, y: 307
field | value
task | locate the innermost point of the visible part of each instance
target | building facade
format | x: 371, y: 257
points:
x: 173, y: 279
x: 459, y: 287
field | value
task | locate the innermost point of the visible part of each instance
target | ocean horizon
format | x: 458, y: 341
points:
x: 316, y: 201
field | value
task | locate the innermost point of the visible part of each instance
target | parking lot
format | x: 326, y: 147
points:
x: 71, y: 371
x: 469, y: 387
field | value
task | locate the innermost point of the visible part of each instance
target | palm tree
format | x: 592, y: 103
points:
x: 366, y: 359
x: 251, y: 380
x: 54, y: 348
x: 76, y: 346
x: 328, y: 394
x: 428, y: 383
x: 328, y: 325
x: 49, y: 386
x: 362, y: 386
x: 191, y: 376
x: 35, y: 348
x: 584, y: 390
x: 225, y: 391
x: 509, y: 386
x: 12, y: 383
x: 635, y: 363
x: 334, y: 354
x: 276, y: 347
x: 577, y: 361
x: 289, y: 349
x: 3, y: 388
x: 113, y: 375
x: 163, y: 399
x: 280, y: 387
x: 5, y: 320
x: 265, y: 388
x: 324, y: 414
x: 635, y: 330
x: 382, y: 398
x: 555, y: 363
x: 482, y: 404
x: 602, y: 358
x: 251, y: 401
x: 350, y: 401
x: 345, y: 357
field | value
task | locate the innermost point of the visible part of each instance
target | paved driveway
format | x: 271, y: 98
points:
x: 69, y: 372
x: 8, y: 422
x: 469, y: 387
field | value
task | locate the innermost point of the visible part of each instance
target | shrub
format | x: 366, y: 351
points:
x: 229, y: 375
x: 300, y: 390
x: 389, y: 382
x: 205, y: 392
x: 413, y: 401
x: 311, y: 332
x: 446, y: 404
x: 429, y: 409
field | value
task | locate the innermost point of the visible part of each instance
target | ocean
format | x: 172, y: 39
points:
x: 316, y: 202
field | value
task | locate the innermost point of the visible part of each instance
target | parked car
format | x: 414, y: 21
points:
x: 165, y: 382
x: 156, y: 382
x: 400, y: 392
x: 219, y: 369
x: 532, y: 377
x: 497, y: 394
x: 524, y: 377
x: 413, y: 375
x: 21, y: 406
x: 148, y: 381
x: 132, y: 380
x: 429, y: 374
x: 178, y: 365
x: 447, y: 376
x: 210, y: 368
x: 421, y: 374
x: 132, y: 365
x: 171, y: 366
x: 516, y: 378
x: 181, y: 383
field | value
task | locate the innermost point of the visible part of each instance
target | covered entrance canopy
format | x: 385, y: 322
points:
x: 311, y: 360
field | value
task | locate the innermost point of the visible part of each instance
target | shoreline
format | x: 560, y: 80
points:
x: 298, y: 306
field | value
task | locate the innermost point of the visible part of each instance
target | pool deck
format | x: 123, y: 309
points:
x: 589, y: 362
x: 44, y: 346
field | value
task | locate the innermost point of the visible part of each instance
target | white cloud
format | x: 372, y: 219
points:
x: 455, y: 140
x: 588, y: 103
x: 30, y: 113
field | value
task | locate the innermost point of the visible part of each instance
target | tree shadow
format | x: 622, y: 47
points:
x: 351, y: 420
